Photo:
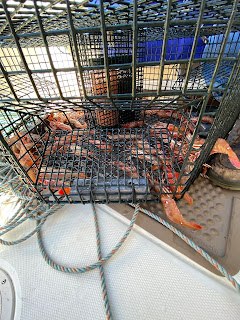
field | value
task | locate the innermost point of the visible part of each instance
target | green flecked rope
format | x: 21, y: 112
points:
x: 103, y: 283
x: 11, y: 243
x: 47, y: 213
x: 91, y: 266
x: 15, y: 216
x: 28, y: 209
x: 20, y: 217
x: 10, y: 182
x: 98, y: 264
x: 158, y: 219
x: 194, y: 246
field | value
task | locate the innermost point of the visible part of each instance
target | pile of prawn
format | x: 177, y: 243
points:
x: 180, y: 139
x: 63, y: 121
x: 151, y: 153
x: 28, y: 146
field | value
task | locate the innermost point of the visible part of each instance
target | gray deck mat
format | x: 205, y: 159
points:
x: 216, y: 209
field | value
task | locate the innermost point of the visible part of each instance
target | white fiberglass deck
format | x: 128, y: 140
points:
x: 146, y: 279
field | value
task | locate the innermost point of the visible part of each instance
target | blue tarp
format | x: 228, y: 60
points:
x: 176, y: 49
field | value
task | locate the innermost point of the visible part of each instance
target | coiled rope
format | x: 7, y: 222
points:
x: 99, y: 263
x: 31, y: 208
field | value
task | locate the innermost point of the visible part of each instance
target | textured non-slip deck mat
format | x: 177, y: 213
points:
x: 146, y: 279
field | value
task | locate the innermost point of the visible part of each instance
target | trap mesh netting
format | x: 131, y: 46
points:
x: 110, y: 101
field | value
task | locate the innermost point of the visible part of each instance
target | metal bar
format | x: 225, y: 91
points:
x: 105, y: 47
x: 30, y: 13
x: 164, y: 47
x: 127, y: 26
x: 199, y: 60
x: 28, y: 71
x: 5, y: 74
x: 15, y: 19
x: 34, y: 17
x: 44, y: 106
x: 134, y: 50
x: 142, y: 6
x: 30, y: 6
x: 18, y: 7
x: 229, y: 121
x: 123, y: 66
x: 20, y: 16
x: 229, y: 80
x: 205, y: 101
x: 44, y: 71
x: 228, y: 94
x: 73, y: 34
x: 80, y: 105
x: 194, y: 46
x: 50, y: 19
x: 223, y: 46
x: 127, y: 96
x: 166, y: 93
x: 47, y: 48
x: 140, y: 64
x: 200, y: 92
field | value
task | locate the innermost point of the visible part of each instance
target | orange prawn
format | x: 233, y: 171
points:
x: 141, y: 155
x: 59, y: 120
x: 76, y: 115
x: 77, y: 123
x: 32, y: 174
x: 159, y: 134
x: 170, y: 206
x: 101, y: 145
x: 204, y: 119
x: 170, y: 175
x: 131, y: 171
x: 23, y: 152
x: 165, y: 113
x: 55, y: 125
x: 173, y: 212
x: 221, y: 146
x: 125, y: 136
x: 133, y: 124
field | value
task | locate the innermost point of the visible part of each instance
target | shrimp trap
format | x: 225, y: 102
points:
x: 117, y: 101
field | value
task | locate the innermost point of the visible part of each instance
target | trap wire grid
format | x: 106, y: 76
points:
x: 103, y: 169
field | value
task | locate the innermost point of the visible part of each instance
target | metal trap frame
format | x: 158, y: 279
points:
x: 142, y: 75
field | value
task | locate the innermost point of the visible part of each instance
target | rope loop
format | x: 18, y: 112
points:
x: 95, y: 265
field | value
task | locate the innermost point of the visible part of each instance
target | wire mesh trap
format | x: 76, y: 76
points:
x: 116, y: 101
